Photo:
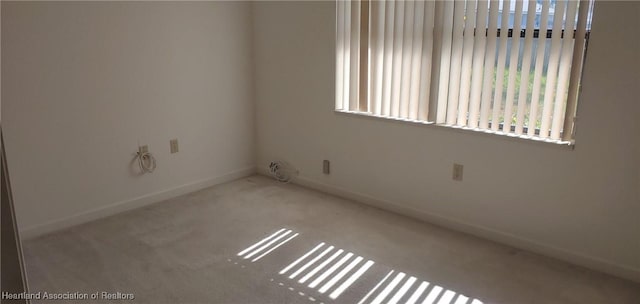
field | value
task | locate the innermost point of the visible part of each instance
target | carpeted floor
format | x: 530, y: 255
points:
x: 257, y: 241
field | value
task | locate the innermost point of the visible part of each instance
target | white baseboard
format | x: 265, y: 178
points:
x: 117, y: 207
x: 598, y: 264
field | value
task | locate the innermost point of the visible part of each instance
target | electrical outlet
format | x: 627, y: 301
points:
x: 326, y: 167
x: 174, y: 145
x: 457, y: 172
x: 143, y: 149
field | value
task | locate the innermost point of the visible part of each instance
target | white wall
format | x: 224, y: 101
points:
x: 84, y: 82
x: 582, y: 205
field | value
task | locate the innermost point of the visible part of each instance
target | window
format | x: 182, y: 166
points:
x: 508, y: 67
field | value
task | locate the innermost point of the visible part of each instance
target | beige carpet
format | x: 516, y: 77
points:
x: 258, y: 241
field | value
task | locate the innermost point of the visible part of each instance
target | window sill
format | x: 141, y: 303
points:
x: 570, y: 145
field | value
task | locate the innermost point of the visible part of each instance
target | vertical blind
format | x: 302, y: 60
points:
x: 506, y: 66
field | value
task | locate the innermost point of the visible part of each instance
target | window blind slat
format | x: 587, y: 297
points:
x: 445, y: 61
x: 489, y: 62
x: 377, y: 55
x: 467, y: 60
x: 397, y: 58
x: 563, y: 73
x: 478, y: 64
x: 389, y: 15
x: 537, y: 74
x: 526, y: 67
x: 364, y: 64
x: 340, y: 28
x: 456, y: 61
x: 429, y: 40
x: 354, y: 57
x: 416, y: 59
x: 407, y: 58
x: 500, y: 66
x: 347, y: 55
x: 576, y: 69
x: 513, y: 69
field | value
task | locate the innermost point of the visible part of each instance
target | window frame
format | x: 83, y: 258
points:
x: 364, y: 75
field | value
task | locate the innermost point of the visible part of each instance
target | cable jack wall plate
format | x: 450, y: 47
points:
x: 174, y: 145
